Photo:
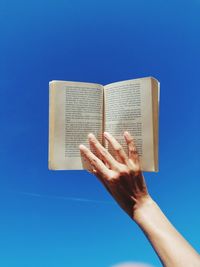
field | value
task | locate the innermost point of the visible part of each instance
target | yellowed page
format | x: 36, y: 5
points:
x: 155, y: 102
x: 129, y: 107
x: 76, y: 109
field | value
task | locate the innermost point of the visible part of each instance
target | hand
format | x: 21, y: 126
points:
x: 123, y: 178
x: 121, y: 175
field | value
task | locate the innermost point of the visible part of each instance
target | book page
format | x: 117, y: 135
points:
x: 156, y: 102
x: 128, y: 107
x: 76, y: 109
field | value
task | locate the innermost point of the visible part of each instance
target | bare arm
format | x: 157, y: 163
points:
x: 122, y: 177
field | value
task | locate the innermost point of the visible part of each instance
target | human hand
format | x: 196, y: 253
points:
x: 121, y: 174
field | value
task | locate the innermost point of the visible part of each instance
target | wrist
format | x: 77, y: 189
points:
x: 143, y: 210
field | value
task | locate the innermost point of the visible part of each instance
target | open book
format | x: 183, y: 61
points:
x: 77, y: 109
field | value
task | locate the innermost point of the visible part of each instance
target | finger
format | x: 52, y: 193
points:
x: 99, y: 176
x: 96, y: 163
x: 95, y: 151
x: 102, y: 152
x: 119, y: 151
x: 132, y: 150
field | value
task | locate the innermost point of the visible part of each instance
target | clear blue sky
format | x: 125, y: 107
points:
x: 94, y: 41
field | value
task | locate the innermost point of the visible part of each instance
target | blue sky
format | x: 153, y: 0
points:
x: 94, y: 41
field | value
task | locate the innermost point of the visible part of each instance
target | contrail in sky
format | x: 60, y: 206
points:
x: 65, y: 198
x: 132, y: 264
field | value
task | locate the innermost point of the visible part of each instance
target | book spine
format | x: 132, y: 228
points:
x: 155, y: 112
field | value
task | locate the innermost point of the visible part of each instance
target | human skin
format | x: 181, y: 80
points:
x: 122, y: 177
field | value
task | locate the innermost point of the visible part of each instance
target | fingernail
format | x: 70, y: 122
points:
x: 82, y: 147
x: 91, y: 136
x: 126, y: 133
x: 106, y: 134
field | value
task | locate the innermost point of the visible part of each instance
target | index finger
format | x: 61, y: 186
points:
x: 94, y: 161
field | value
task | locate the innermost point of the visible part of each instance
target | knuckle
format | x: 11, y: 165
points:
x: 137, y: 167
x: 125, y: 171
x: 118, y: 148
x: 114, y: 178
x: 94, y: 161
x: 134, y: 167
x: 103, y: 152
x: 130, y: 140
x: 133, y: 150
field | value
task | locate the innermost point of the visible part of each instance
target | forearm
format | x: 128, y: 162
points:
x: 122, y: 177
x: 172, y: 249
